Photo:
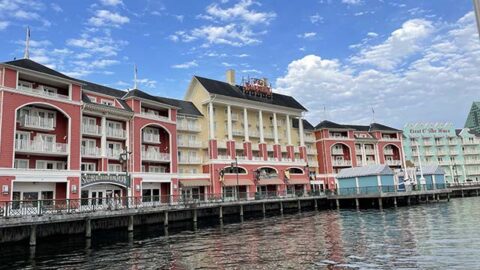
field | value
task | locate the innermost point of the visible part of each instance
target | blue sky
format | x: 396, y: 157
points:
x: 414, y: 60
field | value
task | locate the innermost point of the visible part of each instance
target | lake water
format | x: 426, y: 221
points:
x: 428, y: 236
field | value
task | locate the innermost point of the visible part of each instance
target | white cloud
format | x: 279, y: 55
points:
x: 240, y: 11
x: 4, y: 25
x: 108, y: 18
x: 372, y: 34
x: 251, y: 71
x: 147, y: 83
x: 401, y: 44
x: 316, y: 18
x: 436, y: 85
x: 307, y: 35
x: 230, y: 34
x: 56, y: 7
x: 96, y: 44
x: 186, y: 65
x: 352, y: 2
x: 111, y: 2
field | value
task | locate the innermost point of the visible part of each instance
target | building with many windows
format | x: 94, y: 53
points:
x: 457, y: 151
x: 473, y: 118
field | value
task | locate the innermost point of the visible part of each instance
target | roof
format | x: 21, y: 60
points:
x: 375, y: 169
x: 101, y: 89
x: 432, y: 169
x: 32, y: 65
x: 372, y: 127
x: 306, y: 124
x: 226, y: 89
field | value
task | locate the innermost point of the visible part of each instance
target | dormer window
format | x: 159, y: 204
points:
x: 107, y: 102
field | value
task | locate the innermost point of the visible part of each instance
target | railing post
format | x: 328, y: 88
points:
x: 39, y: 207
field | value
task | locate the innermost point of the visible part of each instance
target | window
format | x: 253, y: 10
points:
x: 92, y: 99
x: 50, y: 165
x: 114, y: 125
x: 49, y: 91
x: 24, y: 84
x: 21, y: 164
x: 88, y: 143
x: 114, y: 167
x: 156, y: 169
x: 107, y: 102
x: 88, y: 167
x: 89, y: 121
x: 22, y: 136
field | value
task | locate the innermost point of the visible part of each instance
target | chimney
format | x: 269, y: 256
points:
x: 231, y: 76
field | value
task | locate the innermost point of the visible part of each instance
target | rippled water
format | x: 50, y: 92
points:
x: 434, y: 236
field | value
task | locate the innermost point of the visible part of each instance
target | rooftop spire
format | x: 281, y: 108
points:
x: 27, y: 45
x: 476, y: 7
x: 134, y: 76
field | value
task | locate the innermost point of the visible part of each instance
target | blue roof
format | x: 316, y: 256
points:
x: 376, y: 169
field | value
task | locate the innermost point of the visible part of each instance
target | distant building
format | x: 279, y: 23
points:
x: 457, y: 151
x: 366, y: 179
x: 473, y: 118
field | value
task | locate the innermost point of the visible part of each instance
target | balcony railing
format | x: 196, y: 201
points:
x: 427, y: 142
x: 40, y: 91
x: 155, y: 116
x: 116, y: 133
x: 188, y: 127
x: 471, y: 161
x: 471, y: 142
x: 114, y: 153
x: 224, y: 157
x: 253, y: 133
x: 237, y: 132
x: 268, y: 135
x: 471, y: 152
x: 193, y: 144
x: 336, y: 151
x: 311, y: 151
x: 394, y: 162
x: 269, y: 147
x: 388, y: 151
x: 155, y: 156
x: 40, y: 147
x: 190, y: 160
x: 37, y: 122
x: 369, y: 151
x: 342, y: 163
x: 91, y: 130
x: 90, y: 152
x: 309, y: 139
x: 389, y: 139
x: 151, y: 138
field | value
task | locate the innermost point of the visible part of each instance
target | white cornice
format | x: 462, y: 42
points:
x: 16, y: 91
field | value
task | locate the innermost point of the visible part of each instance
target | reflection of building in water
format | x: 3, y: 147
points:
x: 333, y: 237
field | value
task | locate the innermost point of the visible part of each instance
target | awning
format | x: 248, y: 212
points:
x: 299, y: 181
x: 272, y: 181
x: 194, y: 182
x: 241, y: 182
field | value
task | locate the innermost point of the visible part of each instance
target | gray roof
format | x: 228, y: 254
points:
x: 372, y: 127
x: 226, y: 89
x: 376, y: 169
x: 306, y: 124
x: 32, y: 65
x: 432, y: 169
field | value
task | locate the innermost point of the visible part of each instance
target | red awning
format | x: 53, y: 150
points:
x: 299, y: 181
x: 194, y: 182
x: 241, y: 182
x: 272, y: 181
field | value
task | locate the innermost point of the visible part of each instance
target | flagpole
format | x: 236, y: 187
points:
x: 27, y: 44
x: 134, y: 76
x: 476, y: 7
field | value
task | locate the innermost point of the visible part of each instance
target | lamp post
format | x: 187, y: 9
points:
x: 123, y: 159
x: 422, y: 179
x: 237, y: 189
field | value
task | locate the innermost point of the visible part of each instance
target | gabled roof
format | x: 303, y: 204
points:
x: 432, y: 169
x: 329, y: 124
x: 306, y: 124
x: 32, y: 65
x: 380, y: 127
x: 226, y: 89
x: 102, y: 89
x: 376, y: 169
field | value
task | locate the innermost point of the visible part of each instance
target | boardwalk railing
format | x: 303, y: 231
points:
x: 375, y: 190
x: 465, y: 184
x: 71, y: 206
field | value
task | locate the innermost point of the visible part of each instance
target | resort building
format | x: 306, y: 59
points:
x: 346, y: 146
x: 457, y: 151
x: 473, y: 118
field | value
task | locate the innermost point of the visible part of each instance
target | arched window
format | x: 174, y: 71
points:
x: 295, y: 170
x: 233, y: 170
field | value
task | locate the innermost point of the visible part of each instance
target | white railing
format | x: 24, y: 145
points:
x: 470, y: 142
x: 311, y: 151
x: 114, y: 153
x: 240, y: 157
x: 155, y: 156
x: 90, y: 151
x: 268, y: 134
x: 237, y: 132
x: 190, y: 160
x: 154, y: 116
x: 272, y: 159
x: 389, y: 139
x: 429, y: 153
x: 235, y: 116
x: 338, y: 137
x: 224, y: 157
x: 336, y: 151
x: 257, y: 158
x: 342, y: 163
x: 471, y: 161
x: 151, y: 138
x: 255, y: 147
x: 309, y: 138
x: 40, y: 91
x: 442, y: 153
x: 425, y: 142
x: 30, y: 121
x: 116, y: 133
x: 370, y: 162
x: 470, y: 152
x: 188, y: 126
x: 394, y: 162
x: 189, y: 144
x: 369, y: 151
x: 91, y: 129
x: 40, y: 147
x: 253, y: 133
x: 388, y: 151
x: 269, y: 147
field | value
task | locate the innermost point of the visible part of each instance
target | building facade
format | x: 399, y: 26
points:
x: 473, y: 118
x: 457, y: 151
x: 346, y: 146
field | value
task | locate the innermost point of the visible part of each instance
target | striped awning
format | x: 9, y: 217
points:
x: 241, y: 182
x: 194, y: 182
x: 299, y: 181
x: 272, y: 181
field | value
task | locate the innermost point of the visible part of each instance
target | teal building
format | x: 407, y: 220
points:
x: 366, y: 179
x: 473, y: 118
x: 456, y: 151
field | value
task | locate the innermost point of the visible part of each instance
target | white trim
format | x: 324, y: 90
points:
x: 256, y: 105
x: 15, y: 91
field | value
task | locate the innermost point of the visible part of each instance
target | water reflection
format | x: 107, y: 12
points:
x: 434, y: 236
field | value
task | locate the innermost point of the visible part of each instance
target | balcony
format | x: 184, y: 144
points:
x: 253, y: 133
x: 90, y: 152
x: 472, y: 161
x: 388, y: 152
x: 188, y: 126
x: 470, y: 142
x: 274, y: 159
x: 116, y: 133
x: 37, y: 122
x: 429, y: 153
x: 151, y: 138
x: 257, y: 158
x: 40, y: 147
x: 268, y: 135
x: 390, y: 139
x: 339, y: 137
x: 470, y: 152
x: 41, y: 91
x: 370, y: 162
x: 442, y: 153
x: 269, y: 147
x: 369, y: 151
x: 309, y: 139
x: 154, y: 116
x: 237, y: 132
x: 336, y: 151
x: 155, y: 156
x: 393, y: 162
x: 224, y: 157
x: 311, y: 151
x: 342, y: 163
x: 93, y: 130
x: 114, y: 153
x: 190, y: 160
x: 190, y: 144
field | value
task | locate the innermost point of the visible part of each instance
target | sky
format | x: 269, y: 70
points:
x: 348, y: 61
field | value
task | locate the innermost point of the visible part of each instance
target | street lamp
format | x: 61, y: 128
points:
x: 123, y: 159
x: 236, y: 171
